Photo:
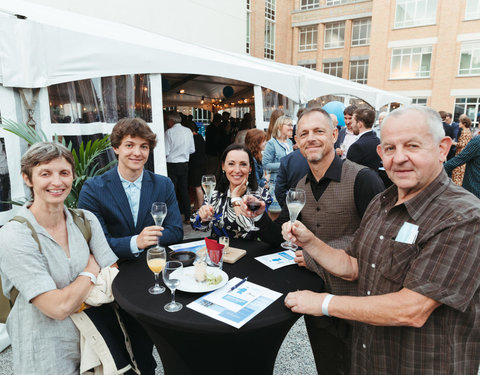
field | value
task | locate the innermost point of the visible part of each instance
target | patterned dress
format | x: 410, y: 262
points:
x: 459, y: 172
x: 225, y: 221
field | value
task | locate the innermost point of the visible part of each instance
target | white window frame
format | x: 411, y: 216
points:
x: 334, y: 29
x: 357, y: 27
x: 310, y: 36
x: 472, y: 10
x: 309, y: 4
x: 415, y: 13
x: 269, y: 43
x: 312, y: 66
x: 407, y: 56
x: 270, y: 10
x: 361, y: 66
x: 420, y: 100
x: 333, y: 68
x: 248, y: 31
x: 472, y: 48
x: 330, y: 3
x: 472, y: 102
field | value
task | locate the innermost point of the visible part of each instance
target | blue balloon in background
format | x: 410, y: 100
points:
x: 337, y: 109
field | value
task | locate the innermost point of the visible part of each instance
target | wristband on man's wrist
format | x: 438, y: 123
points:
x: 325, y: 303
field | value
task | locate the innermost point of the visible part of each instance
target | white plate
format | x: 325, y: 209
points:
x: 189, y: 284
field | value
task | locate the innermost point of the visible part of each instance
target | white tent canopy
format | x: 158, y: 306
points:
x: 52, y: 46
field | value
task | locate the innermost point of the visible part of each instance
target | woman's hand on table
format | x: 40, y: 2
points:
x: 305, y: 302
x: 206, y: 212
x: 299, y: 259
x: 149, y: 236
x: 297, y: 233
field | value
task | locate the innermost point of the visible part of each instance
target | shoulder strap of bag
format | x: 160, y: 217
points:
x: 82, y: 223
x: 78, y: 218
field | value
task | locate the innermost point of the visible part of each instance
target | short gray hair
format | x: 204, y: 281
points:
x: 44, y: 152
x: 432, y: 119
x: 325, y: 114
x: 174, y: 116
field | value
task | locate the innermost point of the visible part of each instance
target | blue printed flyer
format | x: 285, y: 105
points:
x: 278, y: 260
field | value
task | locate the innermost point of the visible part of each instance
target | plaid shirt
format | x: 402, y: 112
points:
x: 443, y: 264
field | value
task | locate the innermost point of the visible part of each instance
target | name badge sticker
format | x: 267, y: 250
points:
x: 407, y: 233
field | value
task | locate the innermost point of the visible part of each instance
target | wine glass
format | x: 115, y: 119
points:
x: 208, y: 185
x: 295, y: 202
x: 156, y: 258
x: 253, y: 201
x: 159, y: 212
x: 172, y: 275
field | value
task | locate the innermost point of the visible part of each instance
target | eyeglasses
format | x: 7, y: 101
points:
x: 289, y: 125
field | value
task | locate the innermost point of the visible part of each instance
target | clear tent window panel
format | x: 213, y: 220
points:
x: 106, y: 99
x: 272, y: 100
x: 5, y: 189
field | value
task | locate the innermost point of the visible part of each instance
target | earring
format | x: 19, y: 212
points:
x: 223, y: 171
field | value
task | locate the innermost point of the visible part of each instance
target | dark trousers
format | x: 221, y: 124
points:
x: 331, y: 341
x: 178, y: 173
x: 142, y: 345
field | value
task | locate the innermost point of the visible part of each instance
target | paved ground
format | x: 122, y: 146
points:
x: 295, y: 356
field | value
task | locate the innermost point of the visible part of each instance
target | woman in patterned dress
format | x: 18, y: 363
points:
x: 463, y: 139
x: 223, y: 215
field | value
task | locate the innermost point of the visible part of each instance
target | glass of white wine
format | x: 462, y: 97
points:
x: 159, y: 212
x: 208, y: 185
x: 156, y: 259
x: 172, y: 276
x: 295, y: 202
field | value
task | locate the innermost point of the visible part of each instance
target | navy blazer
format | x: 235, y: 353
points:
x: 293, y: 168
x: 364, y: 151
x: 341, y: 136
x: 105, y: 196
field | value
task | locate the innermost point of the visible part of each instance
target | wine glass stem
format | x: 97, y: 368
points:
x: 156, y: 280
x: 173, y: 297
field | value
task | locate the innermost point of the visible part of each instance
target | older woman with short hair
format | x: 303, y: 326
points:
x: 54, y: 276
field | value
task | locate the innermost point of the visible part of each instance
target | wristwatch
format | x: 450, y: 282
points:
x: 92, y: 277
x: 236, y: 201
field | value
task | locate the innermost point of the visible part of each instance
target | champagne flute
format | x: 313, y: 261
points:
x: 159, y: 212
x: 172, y: 275
x: 295, y: 202
x: 208, y: 185
x: 156, y: 258
x: 253, y: 201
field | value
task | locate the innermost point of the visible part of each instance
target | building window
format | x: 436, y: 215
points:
x: 334, y: 35
x: 411, y: 62
x: 472, y: 10
x: 333, y: 68
x: 470, y: 59
x: 309, y: 4
x: 410, y: 13
x: 337, y: 2
x: 468, y: 106
x: 270, y: 10
x: 359, y: 71
x: 361, y: 32
x: 269, y: 45
x: 308, y: 38
x: 247, y: 38
x: 419, y: 101
x: 309, y: 66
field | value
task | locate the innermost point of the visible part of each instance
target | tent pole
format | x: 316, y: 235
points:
x: 257, y: 92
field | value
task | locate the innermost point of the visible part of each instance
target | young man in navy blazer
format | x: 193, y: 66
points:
x: 121, y: 199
